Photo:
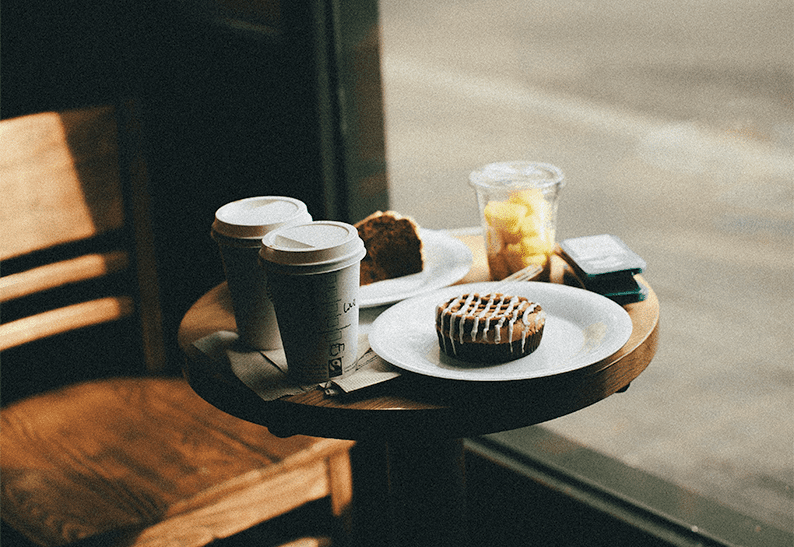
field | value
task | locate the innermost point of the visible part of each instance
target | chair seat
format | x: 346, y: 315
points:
x: 148, y: 457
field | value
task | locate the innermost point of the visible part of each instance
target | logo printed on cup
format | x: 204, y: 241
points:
x: 334, y: 326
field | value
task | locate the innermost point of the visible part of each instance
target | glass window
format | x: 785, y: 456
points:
x: 673, y: 121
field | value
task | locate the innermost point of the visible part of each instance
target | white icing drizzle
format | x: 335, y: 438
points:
x: 451, y: 327
x: 480, y: 315
x: 503, y: 318
x: 493, y: 303
x: 525, y: 319
x: 462, y: 313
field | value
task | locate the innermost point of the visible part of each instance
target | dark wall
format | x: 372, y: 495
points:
x: 230, y: 114
x: 66, y: 54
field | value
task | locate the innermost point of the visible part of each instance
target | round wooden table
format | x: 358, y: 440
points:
x: 410, y: 429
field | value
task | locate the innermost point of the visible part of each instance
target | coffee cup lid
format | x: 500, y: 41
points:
x: 252, y: 218
x: 323, y: 245
x: 520, y: 174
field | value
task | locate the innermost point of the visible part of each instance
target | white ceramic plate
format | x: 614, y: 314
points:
x: 446, y: 260
x: 582, y: 328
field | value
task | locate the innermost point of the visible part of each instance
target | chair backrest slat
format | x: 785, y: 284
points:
x: 61, y: 320
x: 59, y: 274
x: 74, y: 212
x: 59, y: 179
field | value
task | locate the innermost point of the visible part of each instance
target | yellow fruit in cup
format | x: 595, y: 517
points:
x: 518, y: 235
x: 532, y: 199
x: 531, y: 226
x: 506, y: 217
x: 537, y: 244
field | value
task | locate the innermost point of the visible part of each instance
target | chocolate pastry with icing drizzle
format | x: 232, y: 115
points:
x: 489, y: 328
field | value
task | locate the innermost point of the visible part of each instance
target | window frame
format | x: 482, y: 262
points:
x: 658, y: 508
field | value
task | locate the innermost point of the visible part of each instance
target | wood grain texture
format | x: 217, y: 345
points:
x: 59, y: 179
x: 61, y: 320
x: 58, y: 274
x: 151, y: 457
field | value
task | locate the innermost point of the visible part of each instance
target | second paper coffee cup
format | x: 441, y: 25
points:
x: 313, y: 281
x: 238, y: 229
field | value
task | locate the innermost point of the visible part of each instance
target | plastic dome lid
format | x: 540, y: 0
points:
x: 318, y: 246
x: 517, y: 173
x: 253, y: 218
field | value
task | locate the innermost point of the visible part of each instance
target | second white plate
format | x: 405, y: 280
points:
x: 582, y: 328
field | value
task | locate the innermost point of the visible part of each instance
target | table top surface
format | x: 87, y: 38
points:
x: 414, y: 406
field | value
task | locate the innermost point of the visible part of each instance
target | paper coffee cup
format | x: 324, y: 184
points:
x: 313, y: 279
x: 238, y: 229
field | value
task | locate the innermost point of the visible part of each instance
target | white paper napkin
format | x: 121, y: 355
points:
x: 265, y: 372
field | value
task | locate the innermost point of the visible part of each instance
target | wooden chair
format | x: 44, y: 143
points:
x: 137, y: 460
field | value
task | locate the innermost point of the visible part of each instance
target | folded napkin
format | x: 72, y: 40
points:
x: 265, y: 372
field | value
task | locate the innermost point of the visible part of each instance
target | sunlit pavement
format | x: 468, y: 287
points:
x: 674, y: 125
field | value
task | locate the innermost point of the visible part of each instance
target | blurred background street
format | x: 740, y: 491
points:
x: 673, y: 121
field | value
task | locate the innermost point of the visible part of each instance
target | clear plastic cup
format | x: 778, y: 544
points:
x: 518, y: 211
x: 313, y: 273
x: 238, y: 229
